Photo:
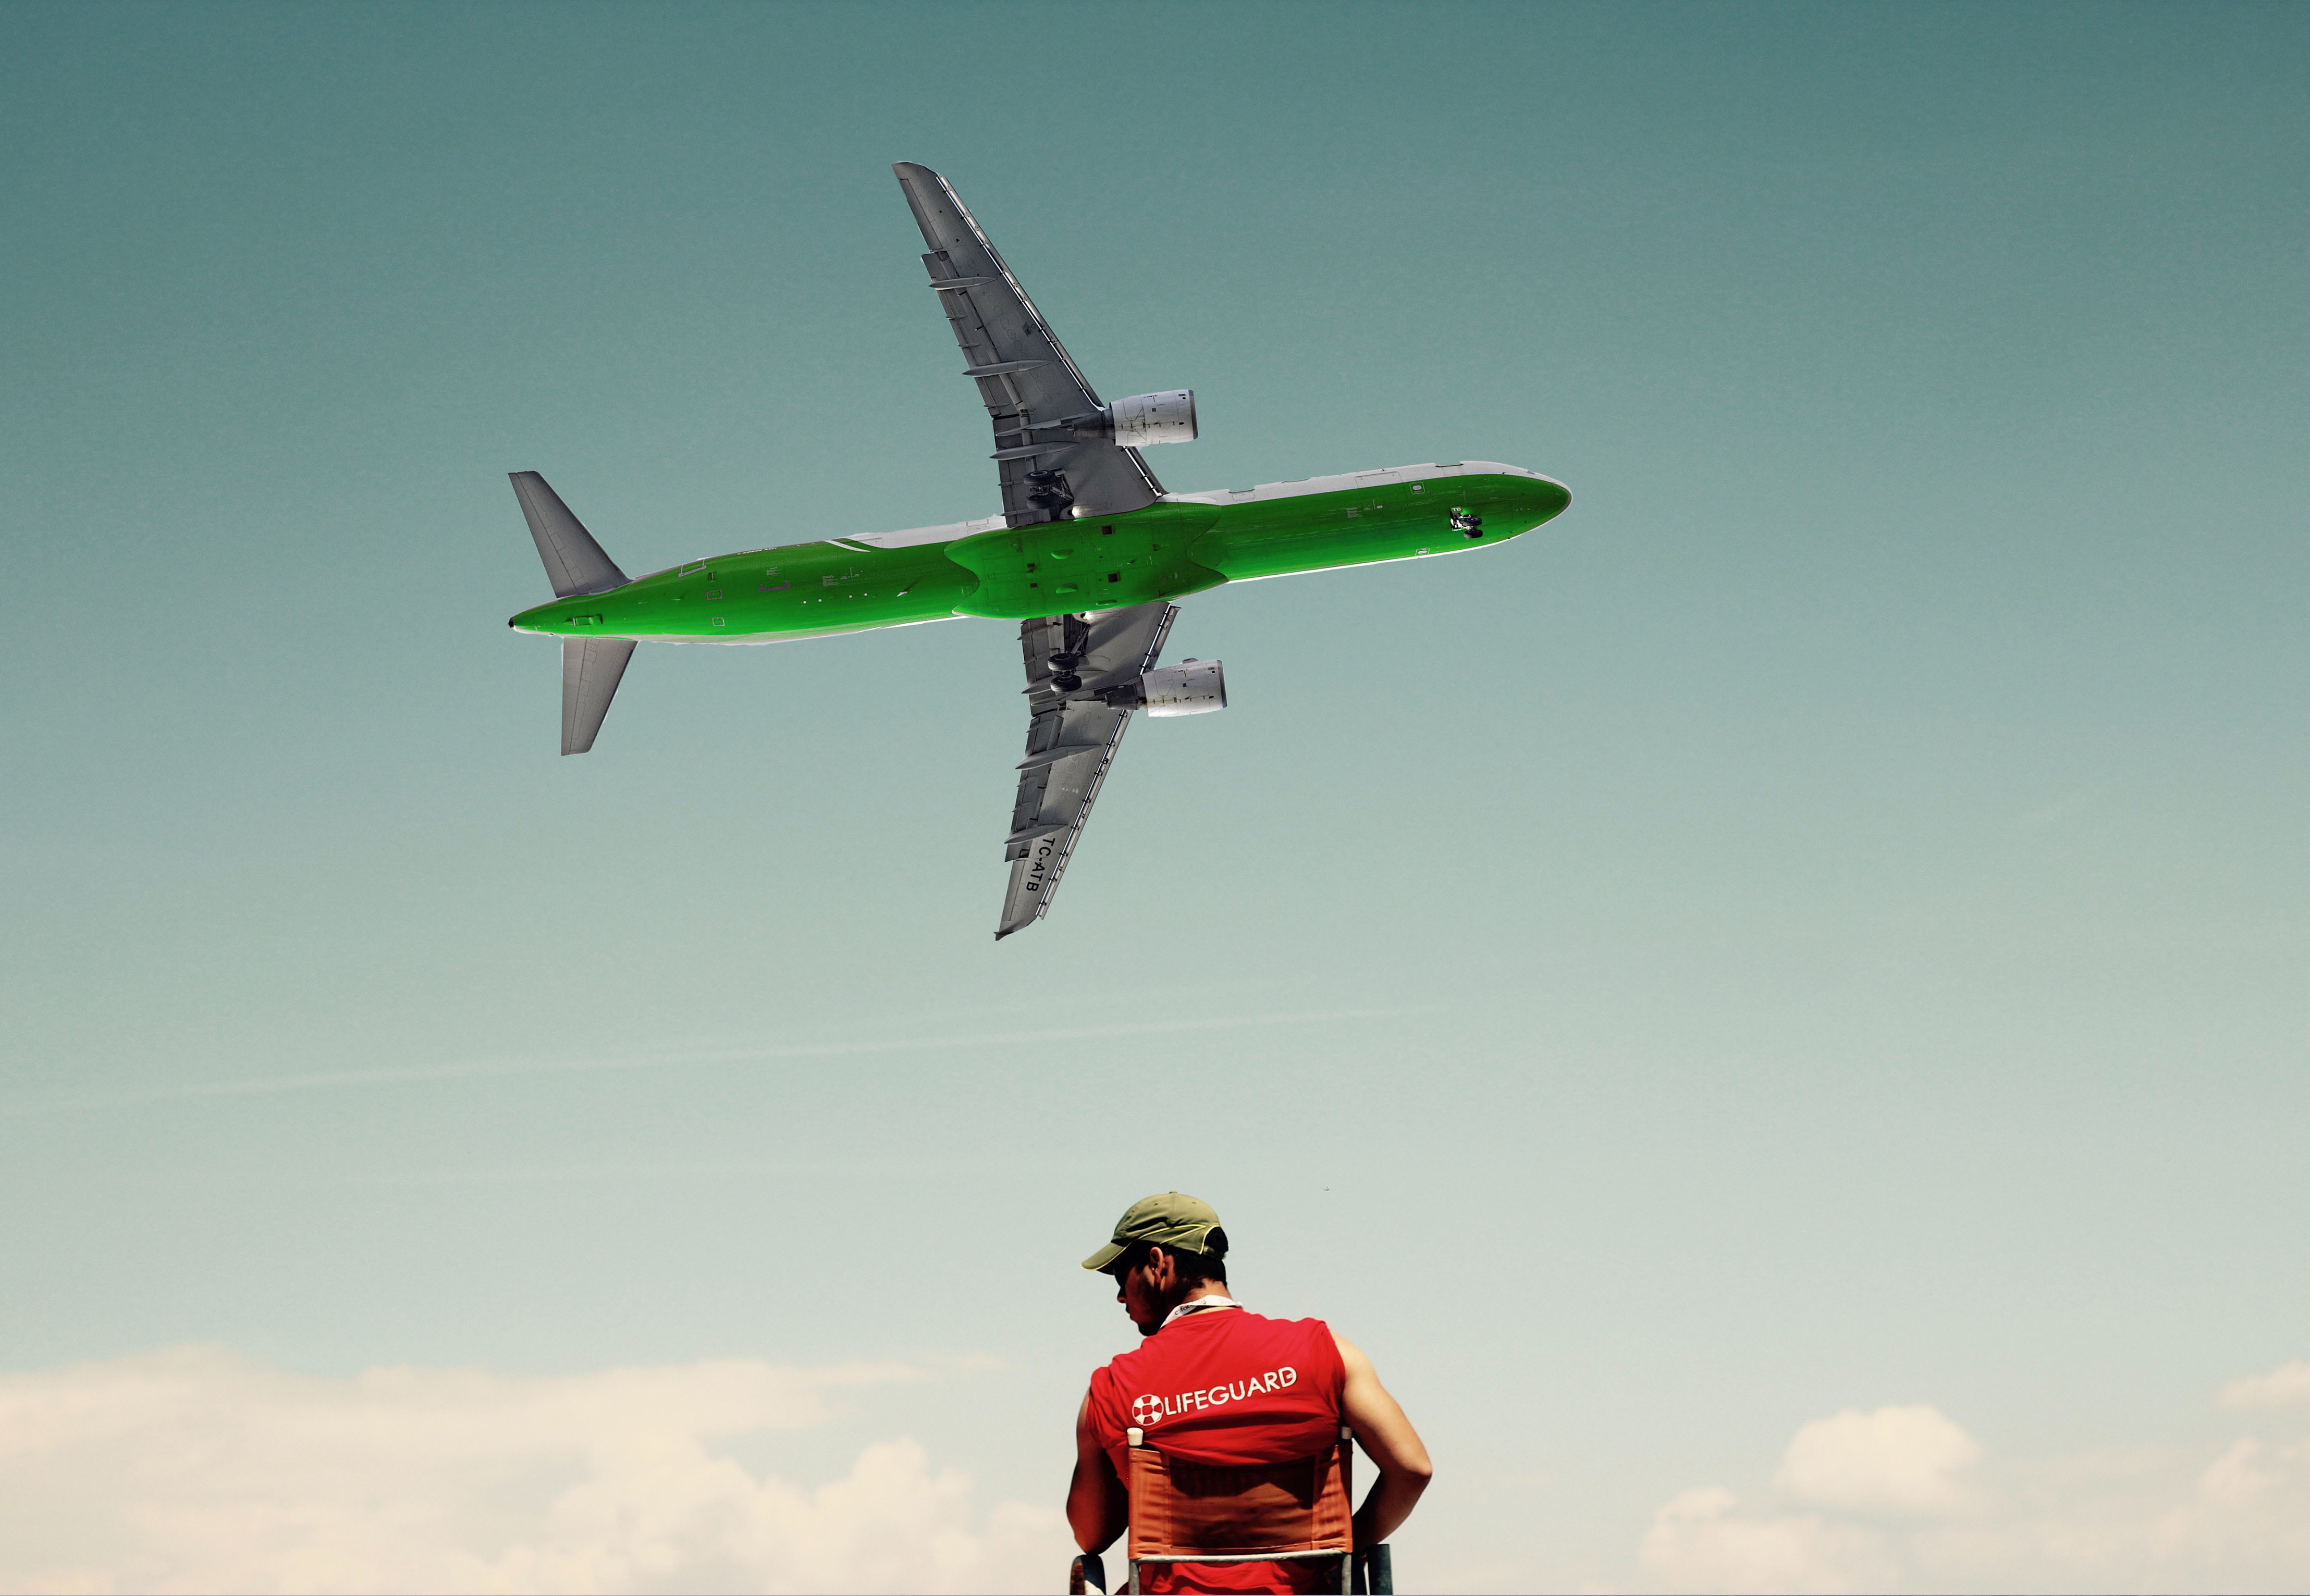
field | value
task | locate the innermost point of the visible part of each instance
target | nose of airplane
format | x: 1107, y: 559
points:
x: 1524, y: 502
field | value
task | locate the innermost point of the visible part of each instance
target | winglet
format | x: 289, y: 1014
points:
x: 574, y: 562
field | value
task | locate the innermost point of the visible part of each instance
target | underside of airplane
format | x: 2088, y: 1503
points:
x: 1087, y: 555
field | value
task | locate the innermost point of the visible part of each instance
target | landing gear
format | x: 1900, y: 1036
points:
x: 1047, y: 491
x: 1074, y: 636
x: 1467, y: 524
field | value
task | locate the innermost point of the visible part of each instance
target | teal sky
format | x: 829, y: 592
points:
x: 1818, y: 926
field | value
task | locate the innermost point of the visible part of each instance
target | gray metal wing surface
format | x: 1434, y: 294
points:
x: 591, y: 670
x: 1025, y: 378
x: 574, y: 562
x: 1071, y: 737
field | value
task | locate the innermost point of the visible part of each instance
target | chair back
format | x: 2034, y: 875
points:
x: 1184, y: 1511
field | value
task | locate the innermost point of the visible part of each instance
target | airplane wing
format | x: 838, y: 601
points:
x: 1070, y: 740
x: 1025, y: 378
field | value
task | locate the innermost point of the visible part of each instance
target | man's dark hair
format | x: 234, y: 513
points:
x: 1195, y: 1268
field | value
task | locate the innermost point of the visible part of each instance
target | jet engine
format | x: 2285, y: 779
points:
x: 1141, y: 420
x: 1145, y: 419
x: 1196, y: 688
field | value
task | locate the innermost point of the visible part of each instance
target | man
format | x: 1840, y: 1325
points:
x: 1214, y: 1382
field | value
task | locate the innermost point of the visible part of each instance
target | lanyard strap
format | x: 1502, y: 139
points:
x: 1213, y: 1301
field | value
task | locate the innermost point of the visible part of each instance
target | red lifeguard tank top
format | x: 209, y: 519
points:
x: 1226, y: 1386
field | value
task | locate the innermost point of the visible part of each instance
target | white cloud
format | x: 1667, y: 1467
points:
x: 1903, y: 1497
x: 1893, y: 1460
x: 1897, y: 1463
x: 1700, y: 1541
x: 2287, y: 1384
x: 196, y: 1470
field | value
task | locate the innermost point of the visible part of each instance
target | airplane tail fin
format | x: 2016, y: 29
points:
x: 591, y: 670
x: 574, y: 562
x: 591, y: 667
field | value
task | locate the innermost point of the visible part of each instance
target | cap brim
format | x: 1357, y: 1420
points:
x: 1105, y: 1255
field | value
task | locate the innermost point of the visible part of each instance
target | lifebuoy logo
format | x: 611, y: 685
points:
x: 1148, y: 1412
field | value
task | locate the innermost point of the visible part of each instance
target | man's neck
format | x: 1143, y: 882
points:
x: 1200, y: 1291
x: 1205, y: 1299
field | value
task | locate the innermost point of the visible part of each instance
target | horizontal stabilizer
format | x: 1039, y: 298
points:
x: 591, y: 669
x: 574, y: 561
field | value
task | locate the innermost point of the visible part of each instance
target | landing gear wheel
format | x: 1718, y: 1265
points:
x: 1075, y: 631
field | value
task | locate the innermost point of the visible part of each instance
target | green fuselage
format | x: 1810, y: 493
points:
x: 1182, y: 544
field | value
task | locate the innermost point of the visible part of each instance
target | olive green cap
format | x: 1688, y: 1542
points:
x: 1167, y: 1219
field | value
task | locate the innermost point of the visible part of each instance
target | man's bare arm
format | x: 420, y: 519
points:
x: 1391, y: 1443
x: 1098, y: 1508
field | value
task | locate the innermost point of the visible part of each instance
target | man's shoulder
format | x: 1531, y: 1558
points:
x: 1239, y: 1317
x: 1309, y: 1325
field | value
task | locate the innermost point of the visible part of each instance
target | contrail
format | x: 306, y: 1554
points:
x: 464, y: 1069
x: 884, y: 1168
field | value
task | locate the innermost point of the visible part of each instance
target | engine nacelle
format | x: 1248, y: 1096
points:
x: 1139, y: 421
x: 1144, y: 419
x: 1196, y: 688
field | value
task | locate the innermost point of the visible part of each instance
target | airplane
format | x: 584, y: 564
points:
x: 1088, y: 554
